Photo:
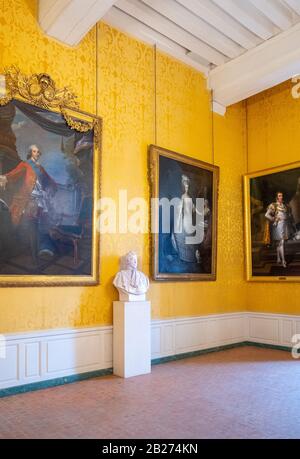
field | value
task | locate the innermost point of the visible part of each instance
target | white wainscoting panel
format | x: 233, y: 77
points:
x: 275, y: 329
x: 182, y: 335
x: 43, y: 355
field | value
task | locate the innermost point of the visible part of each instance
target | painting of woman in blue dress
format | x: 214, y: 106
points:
x: 185, y: 246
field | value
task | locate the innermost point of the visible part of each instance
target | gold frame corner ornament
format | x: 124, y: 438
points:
x: 247, y: 224
x: 40, y: 90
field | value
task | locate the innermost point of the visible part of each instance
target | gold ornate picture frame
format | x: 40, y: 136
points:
x: 50, y: 159
x: 178, y: 254
x: 272, y: 224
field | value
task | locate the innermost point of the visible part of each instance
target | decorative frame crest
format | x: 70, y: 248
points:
x: 40, y: 89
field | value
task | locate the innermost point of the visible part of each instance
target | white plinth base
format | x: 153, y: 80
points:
x: 131, y: 338
x: 130, y: 297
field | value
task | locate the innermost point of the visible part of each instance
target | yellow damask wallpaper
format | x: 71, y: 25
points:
x: 273, y: 140
x: 127, y: 103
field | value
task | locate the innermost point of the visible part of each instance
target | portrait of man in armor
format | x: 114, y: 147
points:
x: 281, y: 220
x: 275, y: 217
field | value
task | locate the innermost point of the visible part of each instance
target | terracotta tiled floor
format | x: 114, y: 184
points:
x: 245, y: 392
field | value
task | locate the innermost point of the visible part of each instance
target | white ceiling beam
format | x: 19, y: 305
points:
x: 218, y: 108
x: 196, y: 26
x: 70, y: 20
x: 244, y: 12
x: 275, y: 11
x: 269, y: 64
x: 151, y: 18
x: 198, y: 59
x: 294, y: 5
x: 49, y: 10
x: 222, y: 21
x: 133, y: 27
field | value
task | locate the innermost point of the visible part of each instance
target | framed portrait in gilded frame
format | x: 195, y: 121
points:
x: 184, y: 199
x: 49, y: 184
x: 272, y: 224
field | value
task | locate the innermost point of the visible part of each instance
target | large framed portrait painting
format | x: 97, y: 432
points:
x: 184, y: 195
x: 49, y: 185
x: 272, y: 224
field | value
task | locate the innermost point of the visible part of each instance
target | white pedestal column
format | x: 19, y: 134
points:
x: 131, y: 338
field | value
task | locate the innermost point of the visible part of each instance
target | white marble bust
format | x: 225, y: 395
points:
x: 132, y: 284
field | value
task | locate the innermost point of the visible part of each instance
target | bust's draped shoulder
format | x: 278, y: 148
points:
x: 131, y: 281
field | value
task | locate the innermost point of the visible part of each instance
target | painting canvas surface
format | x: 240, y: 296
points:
x: 266, y: 234
x: 46, y: 206
x: 184, y: 197
x: 175, y: 255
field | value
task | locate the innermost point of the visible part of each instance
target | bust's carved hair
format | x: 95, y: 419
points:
x: 129, y: 256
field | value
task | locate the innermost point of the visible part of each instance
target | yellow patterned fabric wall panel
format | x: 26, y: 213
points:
x: 230, y: 143
x: 184, y: 118
x: 23, y: 43
x: 273, y: 128
x: 274, y: 139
